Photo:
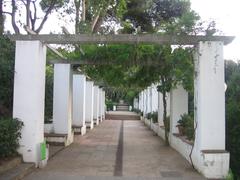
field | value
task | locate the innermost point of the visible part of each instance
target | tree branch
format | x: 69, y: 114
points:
x: 33, y: 18
x: 95, y: 20
x: 13, y: 14
x: 53, y: 2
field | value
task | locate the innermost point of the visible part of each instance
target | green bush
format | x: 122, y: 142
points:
x: 187, y: 122
x: 149, y: 116
x: 10, y: 133
x: 155, y: 117
x: 232, y: 76
x: 7, y: 51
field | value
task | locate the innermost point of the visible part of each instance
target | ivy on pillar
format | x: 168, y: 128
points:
x: 62, y: 101
x: 89, y: 104
x: 210, y: 157
x: 29, y: 94
x: 79, y: 93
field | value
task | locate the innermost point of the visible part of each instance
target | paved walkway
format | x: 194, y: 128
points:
x: 118, y: 150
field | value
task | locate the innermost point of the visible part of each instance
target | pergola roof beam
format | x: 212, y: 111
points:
x: 120, y: 39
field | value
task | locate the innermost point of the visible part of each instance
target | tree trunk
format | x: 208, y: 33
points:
x: 83, y: 10
x: 1, y: 18
x: 165, y: 118
x: 27, y: 5
x: 77, y: 18
x: 14, y: 25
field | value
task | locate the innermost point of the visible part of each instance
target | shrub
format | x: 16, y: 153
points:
x: 149, y: 116
x: 10, y: 133
x: 155, y: 117
x: 187, y: 122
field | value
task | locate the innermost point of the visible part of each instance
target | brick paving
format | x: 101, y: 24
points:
x: 121, y: 150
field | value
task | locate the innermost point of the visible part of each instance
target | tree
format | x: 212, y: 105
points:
x: 232, y: 76
x: 31, y: 13
x: 7, y: 49
x: 1, y: 18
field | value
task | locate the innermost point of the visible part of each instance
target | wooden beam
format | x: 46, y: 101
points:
x: 120, y: 39
x: 90, y: 62
x: 49, y: 46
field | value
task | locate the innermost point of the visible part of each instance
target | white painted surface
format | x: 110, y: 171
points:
x: 160, y: 109
x: 210, y: 96
x: 103, y: 104
x: 100, y: 105
x: 96, y: 104
x: 79, y: 93
x: 178, y: 106
x: 62, y: 99
x: 154, y: 98
x: 89, y: 104
x: 48, y: 128
x: 29, y: 94
x: 210, y: 108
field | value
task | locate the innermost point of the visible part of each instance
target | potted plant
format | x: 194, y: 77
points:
x: 180, y: 125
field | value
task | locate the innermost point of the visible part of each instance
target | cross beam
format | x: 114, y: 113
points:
x: 120, y: 39
x: 91, y: 62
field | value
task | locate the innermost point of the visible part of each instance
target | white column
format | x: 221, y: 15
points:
x: 89, y: 104
x: 79, y: 93
x: 154, y: 98
x: 100, y: 105
x: 96, y: 105
x: 209, y: 97
x: 150, y: 99
x: 62, y: 100
x: 29, y: 94
x: 103, y: 105
x: 178, y: 106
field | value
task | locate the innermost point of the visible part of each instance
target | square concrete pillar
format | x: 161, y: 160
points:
x: 150, y: 91
x: 145, y: 99
x: 210, y: 156
x: 100, y: 105
x: 29, y: 95
x: 178, y: 106
x: 103, y: 105
x: 89, y: 104
x: 62, y: 101
x: 154, y: 98
x: 96, y: 108
x: 79, y: 93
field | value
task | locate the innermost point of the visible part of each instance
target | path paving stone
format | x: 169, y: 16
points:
x: 93, y: 156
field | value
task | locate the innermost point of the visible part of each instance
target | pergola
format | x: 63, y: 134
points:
x: 209, y: 155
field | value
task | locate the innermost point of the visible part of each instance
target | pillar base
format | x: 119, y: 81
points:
x: 96, y: 122
x: 79, y: 129
x: 90, y: 125
x: 213, y: 164
x: 59, y: 139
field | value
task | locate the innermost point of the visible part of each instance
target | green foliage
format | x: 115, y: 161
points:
x: 49, y: 93
x: 155, y: 117
x: 46, y: 4
x: 10, y: 133
x: 187, y: 122
x: 110, y: 104
x: 7, y: 51
x: 232, y: 115
x: 230, y: 175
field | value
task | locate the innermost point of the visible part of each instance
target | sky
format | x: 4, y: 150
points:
x: 225, y: 12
